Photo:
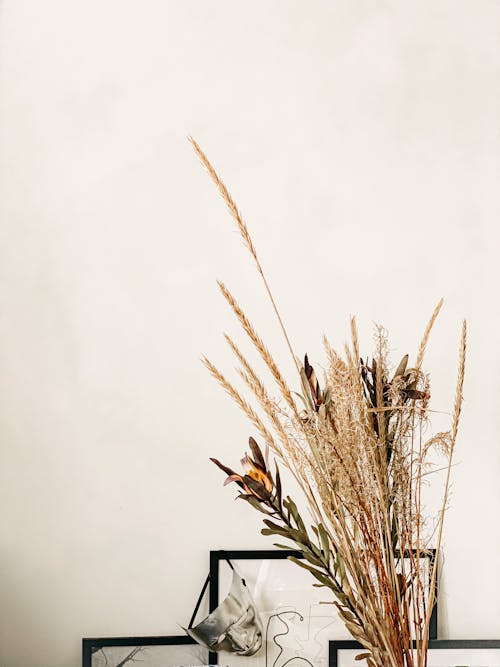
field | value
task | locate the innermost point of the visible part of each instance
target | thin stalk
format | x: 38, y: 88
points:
x: 235, y: 213
x: 456, y: 419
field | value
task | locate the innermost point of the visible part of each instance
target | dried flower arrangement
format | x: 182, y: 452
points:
x: 354, y: 444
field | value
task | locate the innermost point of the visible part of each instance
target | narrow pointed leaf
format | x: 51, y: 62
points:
x: 325, y: 542
x: 402, y: 366
x: 278, y: 487
x: 257, y: 453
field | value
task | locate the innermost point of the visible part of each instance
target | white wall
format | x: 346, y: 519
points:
x: 361, y: 141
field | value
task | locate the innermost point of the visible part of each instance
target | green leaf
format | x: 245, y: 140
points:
x: 278, y: 487
x: 324, y: 579
x: 275, y: 526
x: 316, y: 573
x: 275, y: 531
x: 284, y: 531
x: 295, y: 514
x: 339, y: 567
x: 325, y: 542
x: 312, y: 558
x: 254, y: 502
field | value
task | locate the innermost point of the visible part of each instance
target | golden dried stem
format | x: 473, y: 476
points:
x: 240, y: 401
x: 456, y: 419
x: 427, y: 333
x: 260, y: 347
x: 245, y: 235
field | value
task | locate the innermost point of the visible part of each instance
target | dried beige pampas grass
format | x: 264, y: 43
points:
x: 354, y: 444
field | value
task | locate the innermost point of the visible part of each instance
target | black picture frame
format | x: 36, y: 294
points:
x: 221, y: 555
x: 90, y: 646
x: 434, y: 644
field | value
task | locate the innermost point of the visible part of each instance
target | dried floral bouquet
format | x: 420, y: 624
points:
x: 354, y: 444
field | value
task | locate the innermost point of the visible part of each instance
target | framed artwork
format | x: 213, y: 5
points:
x: 442, y: 653
x: 298, y: 619
x: 174, y: 651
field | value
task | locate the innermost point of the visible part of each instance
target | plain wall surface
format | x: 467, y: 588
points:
x: 361, y: 141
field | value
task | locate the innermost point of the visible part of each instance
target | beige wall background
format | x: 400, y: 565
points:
x: 361, y: 140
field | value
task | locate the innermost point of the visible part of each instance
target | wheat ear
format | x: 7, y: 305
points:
x: 245, y: 235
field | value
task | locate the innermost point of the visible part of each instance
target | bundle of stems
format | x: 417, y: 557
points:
x: 355, y: 445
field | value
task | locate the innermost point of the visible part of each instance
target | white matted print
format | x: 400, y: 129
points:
x: 144, y: 651
x: 298, y: 619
